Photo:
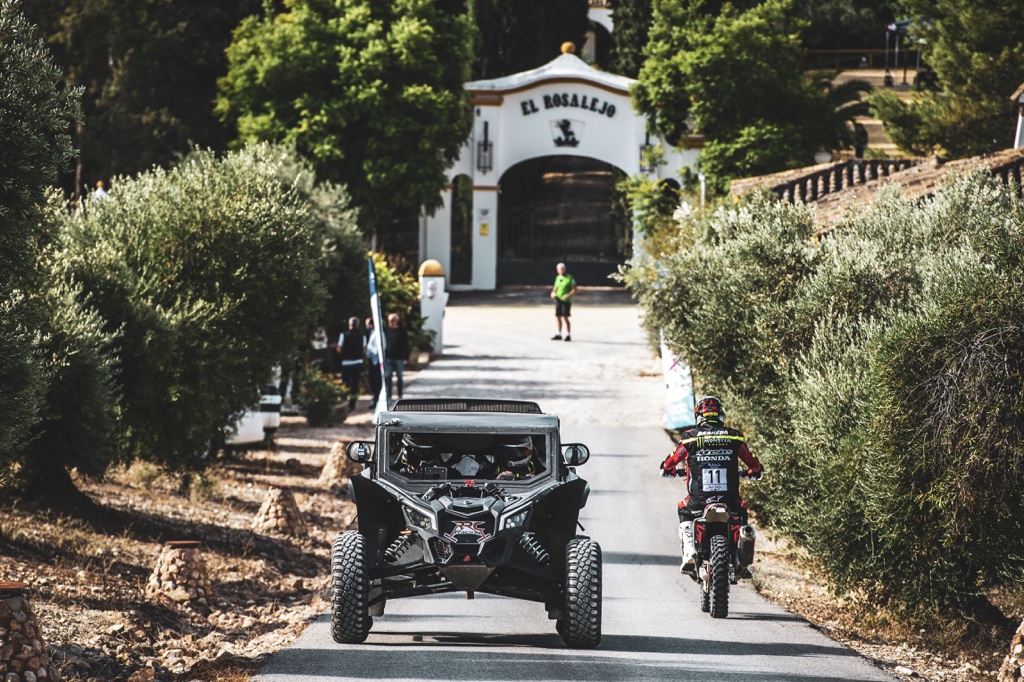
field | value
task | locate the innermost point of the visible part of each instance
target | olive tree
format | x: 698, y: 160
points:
x: 36, y: 110
x: 209, y: 276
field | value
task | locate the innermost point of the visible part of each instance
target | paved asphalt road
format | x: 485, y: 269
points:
x: 605, y: 387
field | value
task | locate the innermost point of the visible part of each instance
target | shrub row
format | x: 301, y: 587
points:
x: 877, y: 373
x: 169, y: 304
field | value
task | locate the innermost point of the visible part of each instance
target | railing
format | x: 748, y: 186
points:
x: 814, y: 186
x: 854, y: 59
x: 1012, y: 171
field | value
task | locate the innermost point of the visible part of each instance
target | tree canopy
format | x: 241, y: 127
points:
x: 370, y: 92
x: 148, y: 71
x: 734, y: 75
x: 632, y: 28
x: 976, y: 49
x: 521, y: 35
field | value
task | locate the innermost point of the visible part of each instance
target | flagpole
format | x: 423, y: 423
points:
x: 375, y: 311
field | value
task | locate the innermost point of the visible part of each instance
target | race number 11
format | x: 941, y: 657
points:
x: 714, y: 480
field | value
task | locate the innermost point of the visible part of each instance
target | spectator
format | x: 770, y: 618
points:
x: 562, y: 293
x: 352, y: 346
x: 860, y: 142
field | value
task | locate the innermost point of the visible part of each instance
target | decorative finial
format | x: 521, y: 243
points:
x: 568, y: 48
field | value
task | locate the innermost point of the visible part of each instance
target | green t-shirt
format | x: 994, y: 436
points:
x: 563, y: 285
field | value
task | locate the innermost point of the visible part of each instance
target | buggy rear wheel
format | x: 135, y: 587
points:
x: 350, y: 620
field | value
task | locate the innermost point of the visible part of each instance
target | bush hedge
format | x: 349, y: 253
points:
x: 877, y: 373
x: 208, y: 275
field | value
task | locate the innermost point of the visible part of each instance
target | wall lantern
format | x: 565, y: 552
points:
x: 485, y: 152
x: 646, y: 166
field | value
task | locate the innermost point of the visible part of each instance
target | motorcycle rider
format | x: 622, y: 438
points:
x: 711, y: 452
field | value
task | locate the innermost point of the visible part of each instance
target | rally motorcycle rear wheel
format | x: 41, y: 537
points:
x: 581, y: 626
x: 719, y: 579
x: 350, y: 619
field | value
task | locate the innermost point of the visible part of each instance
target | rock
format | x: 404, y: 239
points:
x: 115, y: 629
x: 180, y: 574
x: 24, y: 657
x: 906, y: 672
x: 279, y: 515
x: 338, y: 469
x: 1012, y: 668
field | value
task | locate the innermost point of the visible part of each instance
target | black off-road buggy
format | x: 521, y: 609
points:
x: 466, y: 495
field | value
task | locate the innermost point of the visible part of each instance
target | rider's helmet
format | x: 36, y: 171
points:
x: 709, y: 409
x: 517, y: 452
x: 418, y: 450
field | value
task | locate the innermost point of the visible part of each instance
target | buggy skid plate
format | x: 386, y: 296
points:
x: 466, y: 578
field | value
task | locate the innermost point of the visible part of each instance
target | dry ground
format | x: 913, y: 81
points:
x: 88, y: 576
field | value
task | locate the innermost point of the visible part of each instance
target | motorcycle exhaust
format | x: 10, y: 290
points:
x: 745, y: 547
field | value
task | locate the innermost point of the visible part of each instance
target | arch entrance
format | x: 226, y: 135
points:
x: 542, y: 140
x: 561, y: 209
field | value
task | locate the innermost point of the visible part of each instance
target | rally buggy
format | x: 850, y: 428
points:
x: 467, y: 495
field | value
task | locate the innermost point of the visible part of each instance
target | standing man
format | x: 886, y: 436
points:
x: 562, y: 292
x: 396, y: 350
x: 352, y: 346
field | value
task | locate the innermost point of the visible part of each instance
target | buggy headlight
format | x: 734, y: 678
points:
x: 417, y: 518
x: 516, y: 520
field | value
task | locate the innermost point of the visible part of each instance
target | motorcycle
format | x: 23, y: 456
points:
x: 724, y: 552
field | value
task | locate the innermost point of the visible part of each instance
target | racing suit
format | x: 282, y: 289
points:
x: 711, y: 453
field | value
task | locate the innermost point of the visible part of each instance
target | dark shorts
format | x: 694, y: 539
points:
x: 562, y: 307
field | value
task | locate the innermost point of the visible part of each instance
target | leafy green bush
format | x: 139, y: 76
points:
x: 877, y: 374
x: 400, y: 293
x: 318, y: 396
x: 79, y: 421
x: 208, y: 273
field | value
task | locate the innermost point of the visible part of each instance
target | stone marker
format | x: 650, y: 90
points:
x: 338, y: 469
x: 23, y: 656
x: 279, y: 514
x: 1013, y: 665
x: 180, y: 574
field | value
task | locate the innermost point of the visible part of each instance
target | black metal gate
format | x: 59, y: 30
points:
x: 559, y: 209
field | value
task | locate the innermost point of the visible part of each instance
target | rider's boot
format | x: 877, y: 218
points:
x: 689, y: 565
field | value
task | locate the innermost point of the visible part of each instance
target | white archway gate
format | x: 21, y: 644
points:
x: 564, y: 108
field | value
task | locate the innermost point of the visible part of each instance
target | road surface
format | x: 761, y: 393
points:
x: 606, y: 388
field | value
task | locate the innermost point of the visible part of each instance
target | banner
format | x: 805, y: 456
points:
x: 378, y: 327
x: 678, y: 390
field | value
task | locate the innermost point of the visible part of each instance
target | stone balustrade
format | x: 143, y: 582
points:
x: 812, y: 186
